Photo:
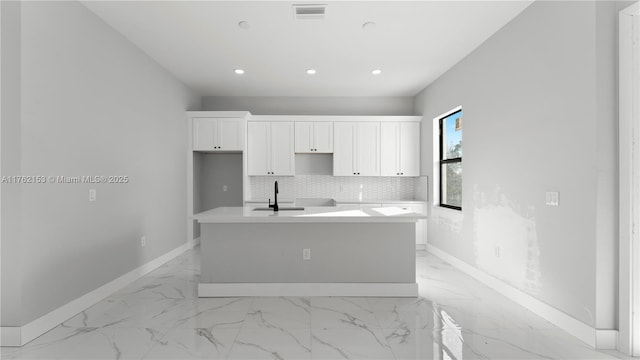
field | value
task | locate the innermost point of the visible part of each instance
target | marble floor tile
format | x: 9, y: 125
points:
x: 157, y: 314
x: 211, y: 319
x: 215, y: 313
x: 90, y: 343
x: 160, y: 317
x: 279, y: 312
x: 197, y: 343
x: 517, y: 344
x: 272, y: 343
x: 339, y: 312
x: 350, y: 343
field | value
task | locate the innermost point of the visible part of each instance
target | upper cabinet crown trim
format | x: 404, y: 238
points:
x: 221, y: 114
x: 334, y: 118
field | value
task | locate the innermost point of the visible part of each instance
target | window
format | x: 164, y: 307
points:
x: 451, y: 160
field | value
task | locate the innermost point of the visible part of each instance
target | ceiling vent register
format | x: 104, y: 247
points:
x: 309, y: 12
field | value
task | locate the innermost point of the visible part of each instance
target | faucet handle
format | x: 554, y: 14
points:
x: 270, y: 203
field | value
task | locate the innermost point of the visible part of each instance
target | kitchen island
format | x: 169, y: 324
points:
x: 318, y: 251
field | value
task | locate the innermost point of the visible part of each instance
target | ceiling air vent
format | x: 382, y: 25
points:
x: 309, y: 12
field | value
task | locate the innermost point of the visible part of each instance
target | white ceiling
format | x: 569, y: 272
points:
x: 200, y: 42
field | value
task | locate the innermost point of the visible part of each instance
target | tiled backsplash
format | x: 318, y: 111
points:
x: 339, y: 188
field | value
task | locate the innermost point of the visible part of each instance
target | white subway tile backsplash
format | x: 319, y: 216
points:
x: 339, y: 188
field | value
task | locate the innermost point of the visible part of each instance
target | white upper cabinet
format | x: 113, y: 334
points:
x: 258, y: 152
x: 400, y: 149
x: 282, y: 141
x: 270, y: 148
x: 343, y: 149
x: 314, y: 137
x: 218, y: 134
x: 356, y: 149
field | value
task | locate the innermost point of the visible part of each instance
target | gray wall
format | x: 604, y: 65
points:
x: 213, y: 171
x: 10, y: 132
x: 284, y: 105
x: 91, y: 104
x: 539, y: 110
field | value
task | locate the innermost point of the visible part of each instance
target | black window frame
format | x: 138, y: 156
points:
x: 443, y: 161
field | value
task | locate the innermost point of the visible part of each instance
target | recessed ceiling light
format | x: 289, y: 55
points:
x: 311, y: 71
x: 238, y: 71
x: 369, y: 25
x: 244, y: 25
x: 376, y: 72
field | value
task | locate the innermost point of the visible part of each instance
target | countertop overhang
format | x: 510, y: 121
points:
x: 363, y: 214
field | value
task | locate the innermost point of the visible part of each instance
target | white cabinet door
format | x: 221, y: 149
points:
x: 218, y: 134
x: 230, y: 134
x: 410, y: 149
x: 270, y: 148
x: 314, y: 137
x: 356, y: 149
x: 343, y: 149
x: 389, y: 149
x: 304, y: 136
x: 204, y: 134
x: 258, y: 149
x: 282, y: 140
x: 323, y: 136
x: 368, y: 149
x: 400, y: 149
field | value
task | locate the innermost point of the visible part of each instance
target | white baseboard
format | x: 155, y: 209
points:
x: 606, y: 339
x: 599, y: 339
x: 19, y: 336
x: 421, y: 247
x: 307, y: 289
x: 10, y: 336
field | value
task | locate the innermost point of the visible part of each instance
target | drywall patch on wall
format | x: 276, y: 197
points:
x: 506, y: 241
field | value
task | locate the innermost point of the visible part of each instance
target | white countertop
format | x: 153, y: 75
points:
x: 363, y: 214
x: 348, y: 201
x: 380, y: 202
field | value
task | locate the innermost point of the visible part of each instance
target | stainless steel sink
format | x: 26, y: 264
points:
x: 281, y: 208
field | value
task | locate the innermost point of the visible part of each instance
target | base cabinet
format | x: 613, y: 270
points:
x: 421, y: 225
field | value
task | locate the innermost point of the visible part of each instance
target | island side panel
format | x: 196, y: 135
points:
x: 340, y: 253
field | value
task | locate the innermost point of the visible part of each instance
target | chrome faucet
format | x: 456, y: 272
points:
x: 275, y: 204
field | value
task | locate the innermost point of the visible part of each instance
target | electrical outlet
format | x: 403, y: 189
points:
x: 306, y: 254
x: 92, y: 194
x: 143, y: 241
x: 553, y: 198
x: 224, y: 188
